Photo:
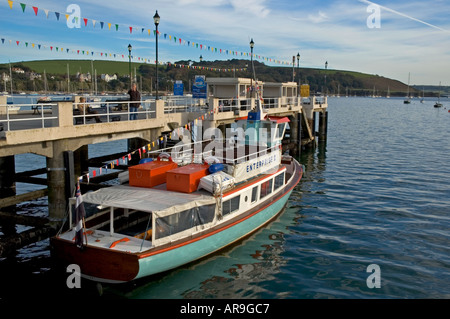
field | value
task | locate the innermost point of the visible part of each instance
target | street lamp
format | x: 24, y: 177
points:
x: 129, y: 62
x: 156, y: 20
x: 293, y: 66
x: 298, y: 70
x: 201, y: 58
x: 252, y: 44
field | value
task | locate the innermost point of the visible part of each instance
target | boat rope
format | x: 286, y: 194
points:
x: 66, y: 215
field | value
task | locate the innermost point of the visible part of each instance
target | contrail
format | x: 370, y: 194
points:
x: 405, y: 15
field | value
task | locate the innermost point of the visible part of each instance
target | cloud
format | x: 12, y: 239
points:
x: 254, y: 7
x: 317, y: 18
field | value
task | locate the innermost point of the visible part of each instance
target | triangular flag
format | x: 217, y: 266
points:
x: 101, y: 24
x: 67, y: 17
x: 57, y: 15
x: 117, y: 27
x: 35, y: 10
x: 10, y: 3
x: 23, y: 5
x: 85, y: 22
x: 109, y: 26
x: 46, y: 13
x: 93, y: 23
x: 131, y: 29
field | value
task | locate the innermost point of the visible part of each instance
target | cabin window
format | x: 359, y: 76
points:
x: 266, y: 188
x: 231, y: 205
x: 279, y: 181
x: 280, y: 130
x: 254, y: 194
x: 178, y: 222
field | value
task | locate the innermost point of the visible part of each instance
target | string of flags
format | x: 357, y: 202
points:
x: 94, y: 23
x: 58, y: 49
x: 142, y: 151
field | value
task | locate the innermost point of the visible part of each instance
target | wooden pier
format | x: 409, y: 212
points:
x: 54, y: 133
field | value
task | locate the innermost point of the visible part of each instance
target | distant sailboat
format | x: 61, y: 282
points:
x: 423, y: 95
x: 388, y: 95
x: 438, y: 103
x: 407, y: 99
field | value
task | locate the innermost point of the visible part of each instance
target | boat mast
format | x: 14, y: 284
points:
x: 10, y: 77
x: 68, y: 79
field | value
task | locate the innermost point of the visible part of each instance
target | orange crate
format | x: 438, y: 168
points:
x: 185, y: 179
x: 150, y: 174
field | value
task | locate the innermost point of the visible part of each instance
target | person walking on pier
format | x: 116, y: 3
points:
x: 134, y: 96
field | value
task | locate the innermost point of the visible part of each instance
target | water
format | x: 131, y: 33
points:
x: 376, y: 193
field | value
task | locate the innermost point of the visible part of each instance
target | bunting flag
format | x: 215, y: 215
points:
x: 169, y: 36
x: 117, y: 56
x: 79, y: 213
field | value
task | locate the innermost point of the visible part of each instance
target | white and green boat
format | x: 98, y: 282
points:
x: 184, y: 205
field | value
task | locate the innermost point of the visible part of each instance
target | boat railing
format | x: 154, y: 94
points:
x: 252, y: 152
x: 221, y: 151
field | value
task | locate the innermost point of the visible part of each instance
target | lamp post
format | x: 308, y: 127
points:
x: 129, y: 63
x: 326, y: 66
x: 252, y: 44
x: 298, y: 71
x: 293, y: 66
x: 201, y: 58
x: 156, y: 20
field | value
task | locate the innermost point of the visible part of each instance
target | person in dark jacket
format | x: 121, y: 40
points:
x: 134, y: 96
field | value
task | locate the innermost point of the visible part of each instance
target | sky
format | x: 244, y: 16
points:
x: 388, y: 38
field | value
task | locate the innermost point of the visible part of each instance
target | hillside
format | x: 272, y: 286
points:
x: 331, y: 81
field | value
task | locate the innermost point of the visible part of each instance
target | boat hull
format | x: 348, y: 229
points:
x: 210, y: 243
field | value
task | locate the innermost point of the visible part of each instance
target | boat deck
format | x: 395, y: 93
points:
x: 103, y: 239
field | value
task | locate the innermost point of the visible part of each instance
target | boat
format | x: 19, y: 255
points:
x: 438, y: 103
x: 181, y: 204
x: 407, y: 99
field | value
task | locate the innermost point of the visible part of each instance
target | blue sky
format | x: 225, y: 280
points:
x: 412, y: 36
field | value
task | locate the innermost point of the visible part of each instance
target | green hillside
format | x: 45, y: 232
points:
x: 320, y: 80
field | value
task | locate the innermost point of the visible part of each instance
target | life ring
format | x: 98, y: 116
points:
x: 165, y: 155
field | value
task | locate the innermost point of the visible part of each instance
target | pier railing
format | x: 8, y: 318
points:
x: 12, y: 118
x: 32, y: 116
x: 113, y: 111
x: 179, y: 104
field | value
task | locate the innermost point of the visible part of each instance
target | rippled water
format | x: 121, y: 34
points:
x: 377, y: 193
